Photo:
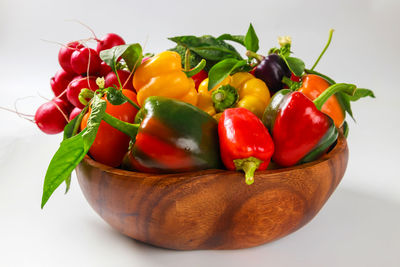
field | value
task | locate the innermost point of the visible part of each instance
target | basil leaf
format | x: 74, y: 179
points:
x: 64, y: 161
x: 96, y: 115
x: 115, y: 96
x: 251, y: 40
x: 235, y: 38
x: 133, y: 56
x: 244, y: 68
x: 131, y: 53
x: 360, y: 93
x: 344, y: 101
x: 296, y: 65
x: 72, y: 151
x: 194, y: 58
x: 208, y: 47
x: 222, y: 69
x: 329, y: 80
x: 67, y: 184
x: 69, y: 128
x: 73, y: 125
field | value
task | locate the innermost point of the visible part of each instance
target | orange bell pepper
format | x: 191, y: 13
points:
x: 312, y: 86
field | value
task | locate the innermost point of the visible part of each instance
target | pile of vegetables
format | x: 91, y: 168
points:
x: 199, y: 105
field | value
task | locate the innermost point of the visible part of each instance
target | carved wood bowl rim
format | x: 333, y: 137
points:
x: 340, y: 145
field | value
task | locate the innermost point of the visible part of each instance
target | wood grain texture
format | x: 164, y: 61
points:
x: 212, y: 209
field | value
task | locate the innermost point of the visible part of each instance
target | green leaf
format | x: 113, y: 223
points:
x: 222, y: 69
x: 72, y: 151
x: 329, y: 80
x: 64, y: 161
x: 133, y: 56
x: 251, y: 40
x: 360, y: 93
x: 344, y: 101
x: 296, y: 65
x: 67, y: 184
x: 70, y: 130
x: 115, y: 96
x: 73, y: 126
x: 96, y: 115
x: 235, y: 38
x: 345, y: 128
x: 207, y: 47
x: 131, y: 53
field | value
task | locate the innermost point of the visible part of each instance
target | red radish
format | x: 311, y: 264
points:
x: 60, y: 82
x: 104, y: 69
x: 51, y: 116
x: 111, y: 80
x: 75, y: 87
x: 108, y: 41
x: 64, y: 55
x: 84, y: 57
x: 75, y: 112
x: 65, y: 104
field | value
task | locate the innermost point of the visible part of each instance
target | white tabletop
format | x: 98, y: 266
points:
x: 353, y: 228
x: 358, y: 226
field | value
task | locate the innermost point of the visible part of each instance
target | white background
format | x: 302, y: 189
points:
x: 360, y: 224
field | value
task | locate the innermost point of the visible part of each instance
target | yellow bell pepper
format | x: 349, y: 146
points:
x: 162, y: 75
x: 253, y: 94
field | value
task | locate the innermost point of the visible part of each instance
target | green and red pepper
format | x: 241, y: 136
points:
x: 170, y: 136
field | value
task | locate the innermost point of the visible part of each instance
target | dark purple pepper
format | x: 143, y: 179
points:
x: 271, y: 70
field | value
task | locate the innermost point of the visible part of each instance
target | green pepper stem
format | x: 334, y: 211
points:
x: 293, y: 86
x: 119, y: 81
x: 324, y: 50
x: 195, y: 70
x: 346, y: 88
x: 224, y: 97
x: 131, y: 102
x: 249, y: 166
x: 187, y: 60
x: 251, y: 54
x: 122, y: 126
x: 84, y: 94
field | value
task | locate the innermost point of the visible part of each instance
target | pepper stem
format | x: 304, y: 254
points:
x: 324, y: 50
x: 199, y: 67
x: 249, y: 166
x: 187, y: 60
x: 251, y: 54
x: 224, y: 97
x: 132, y: 103
x: 122, y: 126
x: 346, y: 88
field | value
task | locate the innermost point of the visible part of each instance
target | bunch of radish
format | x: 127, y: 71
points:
x: 80, y: 67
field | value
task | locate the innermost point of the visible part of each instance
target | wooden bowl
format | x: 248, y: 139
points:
x: 211, y: 209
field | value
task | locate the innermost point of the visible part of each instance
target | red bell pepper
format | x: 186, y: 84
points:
x: 301, y: 132
x: 245, y: 143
